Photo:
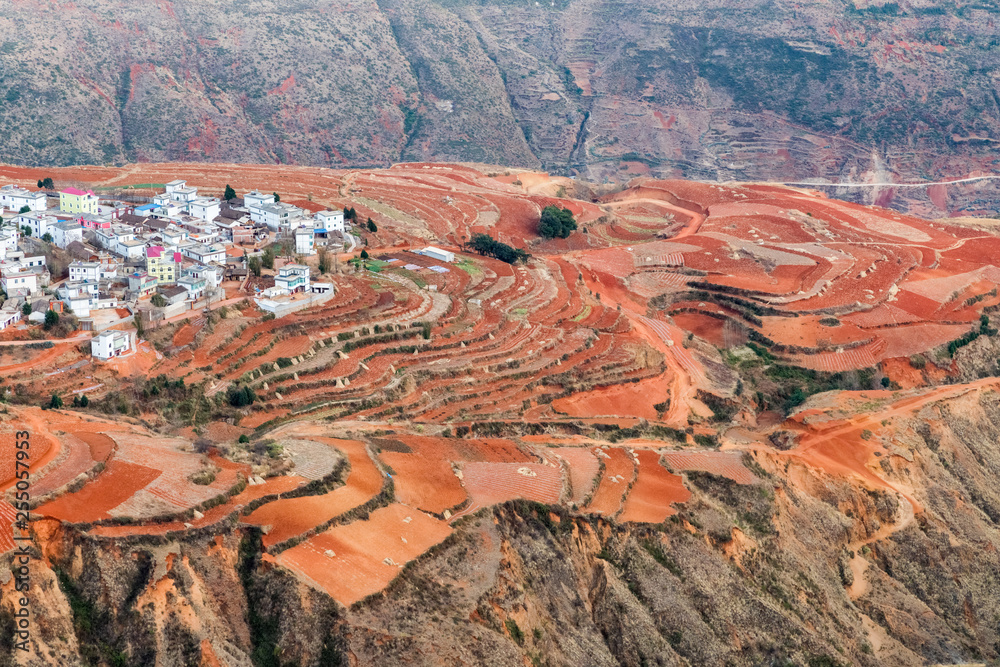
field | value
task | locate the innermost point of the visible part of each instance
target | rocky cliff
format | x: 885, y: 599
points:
x: 605, y: 88
x: 802, y: 568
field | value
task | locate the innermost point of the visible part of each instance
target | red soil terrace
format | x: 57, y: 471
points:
x: 596, y: 330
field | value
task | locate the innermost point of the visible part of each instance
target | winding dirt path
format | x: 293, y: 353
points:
x: 55, y: 341
x: 859, y: 564
x: 841, y: 450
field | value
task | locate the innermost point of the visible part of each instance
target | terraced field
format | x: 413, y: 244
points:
x: 590, y: 377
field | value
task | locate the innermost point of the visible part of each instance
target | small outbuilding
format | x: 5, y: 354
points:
x: 438, y: 254
x: 109, y: 344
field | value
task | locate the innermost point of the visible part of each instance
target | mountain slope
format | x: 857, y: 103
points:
x: 607, y: 87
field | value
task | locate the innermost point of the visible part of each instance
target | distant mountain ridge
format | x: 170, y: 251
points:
x: 605, y: 88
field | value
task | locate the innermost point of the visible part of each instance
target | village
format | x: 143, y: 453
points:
x: 122, y: 266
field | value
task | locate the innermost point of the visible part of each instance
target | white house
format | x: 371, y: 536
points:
x: 15, y: 198
x: 18, y: 282
x: 23, y: 275
x: 205, y: 208
x: 8, y: 241
x: 109, y: 270
x: 321, y: 288
x: 204, y: 254
x: 165, y: 206
x: 180, y: 191
x: 206, y: 238
x: 277, y: 216
x: 129, y: 248
x: 66, y: 232
x: 292, y: 278
x: 329, y: 221
x: 40, y: 225
x: 109, y: 344
x: 195, y: 287
x: 173, y: 235
x: 305, y: 241
x: 141, y: 284
x: 104, y: 238
x: 210, y: 273
x: 255, y: 198
x: 84, y: 271
x: 438, y: 254
x: 81, y: 297
x: 9, y: 316
x: 17, y: 259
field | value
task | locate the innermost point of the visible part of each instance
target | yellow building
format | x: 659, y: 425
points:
x: 72, y: 200
x: 162, y: 264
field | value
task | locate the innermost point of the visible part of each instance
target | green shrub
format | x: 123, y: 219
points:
x: 556, y: 223
x: 486, y: 245
x: 515, y: 632
x: 706, y: 440
x: 240, y: 396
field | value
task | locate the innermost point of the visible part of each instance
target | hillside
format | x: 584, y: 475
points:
x: 606, y: 89
x: 736, y: 424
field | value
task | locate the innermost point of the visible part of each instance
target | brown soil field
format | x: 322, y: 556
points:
x: 287, y: 518
x: 618, y: 471
x: 119, y: 482
x: 725, y: 464
x: 353, y: 561
x: 654, y: 491
x: 583, y: 467
x: 424, y: 483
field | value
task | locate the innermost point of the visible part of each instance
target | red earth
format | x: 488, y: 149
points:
x: 353, y: 561
x: 618, y: 471
x: 290, y: 517
x: 654, y: 491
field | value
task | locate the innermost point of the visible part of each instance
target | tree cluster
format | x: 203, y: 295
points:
x: 484, y: 244
x: 556, y: 223
x: 239, y: 397
x: 46, y: 183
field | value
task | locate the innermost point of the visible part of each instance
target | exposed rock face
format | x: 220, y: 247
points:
x: 756, y: 574
x: 612, y: 90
